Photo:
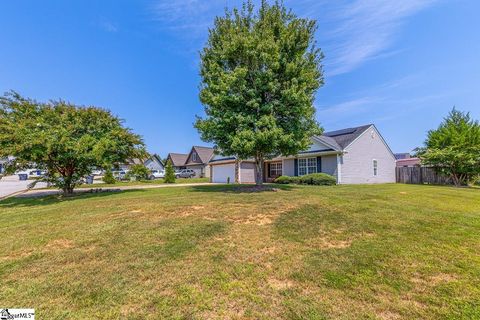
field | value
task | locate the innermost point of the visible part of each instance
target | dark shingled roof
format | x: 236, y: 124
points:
x: 346, y: 136
x: 178, y: 159
x: 205, y: 153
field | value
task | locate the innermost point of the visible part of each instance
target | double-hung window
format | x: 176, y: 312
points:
x: 275, y: 169
x: 375, y: 167
x: 307, y: 166
x: 194, y: 156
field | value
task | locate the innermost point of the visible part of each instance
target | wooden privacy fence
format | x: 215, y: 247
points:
x: 420, y: 175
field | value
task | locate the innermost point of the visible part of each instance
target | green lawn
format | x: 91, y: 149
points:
x: 218, y: 252
x: 144, y: 182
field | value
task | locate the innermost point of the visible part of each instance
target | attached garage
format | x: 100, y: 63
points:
x: 222, y: 172
x: 247, y: 172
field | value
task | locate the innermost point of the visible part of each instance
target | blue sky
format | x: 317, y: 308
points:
x: 399, y: 64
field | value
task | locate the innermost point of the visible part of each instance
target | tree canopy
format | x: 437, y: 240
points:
x: 260, y: 71
x: 62, y: 138
x: 454, y: 148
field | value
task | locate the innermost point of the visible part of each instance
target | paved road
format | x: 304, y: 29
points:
x: 11, y: 184
x: 47, y: 192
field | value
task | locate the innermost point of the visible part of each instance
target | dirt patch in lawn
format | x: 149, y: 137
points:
x: 17, y: 255
x: 59, y: 244
x: 389, y: 315
x: 280, y: 284
x: 254, y: 188
x: 334, y: 244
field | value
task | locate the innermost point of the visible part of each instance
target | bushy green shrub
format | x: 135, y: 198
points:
x: 108, y: 177
x: 319, y: 179
x: 169, y: 173
x: 287, y: 180
x: 138, y: 172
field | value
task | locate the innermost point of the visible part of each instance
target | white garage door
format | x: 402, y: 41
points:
x: 221, y: 173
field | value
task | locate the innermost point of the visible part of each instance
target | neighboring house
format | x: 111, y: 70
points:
x: 354, y: 155
x: 4, y: 162
x: 129, y: 163
x: 409, y: 162
x: 401, y: 156
x: 154, y: 163
x: 406, y: 160
x: 198, y: 160
x: 178, y: 160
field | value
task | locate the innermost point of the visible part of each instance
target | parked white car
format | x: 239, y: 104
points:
x: 98, y: 172
x: 32, y: 173
x: 157, y: 174
x: 120, y: 174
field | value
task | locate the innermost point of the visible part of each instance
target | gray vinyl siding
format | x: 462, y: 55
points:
x: 358, y: 159
x: 153, y: 165
x: 329, y: 165
x: 289, y: 167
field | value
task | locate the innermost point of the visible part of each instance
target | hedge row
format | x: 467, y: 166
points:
x: 319, y: 179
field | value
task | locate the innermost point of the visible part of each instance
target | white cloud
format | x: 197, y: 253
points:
x: 350, y: 32
x: 365, y: 30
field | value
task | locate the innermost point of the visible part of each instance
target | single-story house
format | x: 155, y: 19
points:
x: 129, y: 163
x: 154, y: 163
x: 3, y: 161
x: 198, y: 160
x: 354, y: 155
x: 178, y: 160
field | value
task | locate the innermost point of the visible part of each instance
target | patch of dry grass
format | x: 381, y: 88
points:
x: 212, y: 252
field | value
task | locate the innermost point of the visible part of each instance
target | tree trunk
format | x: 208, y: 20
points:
x: 237, y: 171
x: 259, y: 162
x: 68, y: 186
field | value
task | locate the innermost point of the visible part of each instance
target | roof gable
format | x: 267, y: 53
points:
x: 345, y: 137
x: 178, y: 159
x: 204, y: 154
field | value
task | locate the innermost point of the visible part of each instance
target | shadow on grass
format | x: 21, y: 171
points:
x: 242, y: 188
x: 55, y: 199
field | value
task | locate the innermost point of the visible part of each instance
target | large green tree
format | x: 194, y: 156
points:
x: 454, y: 148
x: 260, y: 71
x: 64, y: 139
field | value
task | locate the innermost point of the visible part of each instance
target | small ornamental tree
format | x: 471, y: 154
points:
x: 63, y: 139
x: 139, y: 172
x: 454, y: 148
x: 169, y: 173
x: 108, y: 177
x: 259, y: 73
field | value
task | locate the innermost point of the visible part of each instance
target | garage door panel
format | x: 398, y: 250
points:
x: 222, y: 172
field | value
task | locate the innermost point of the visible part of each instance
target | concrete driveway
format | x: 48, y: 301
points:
x: 11, y: 184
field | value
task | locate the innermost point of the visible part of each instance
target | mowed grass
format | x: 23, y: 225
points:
x: 142, y: 182
x: 217, y: 252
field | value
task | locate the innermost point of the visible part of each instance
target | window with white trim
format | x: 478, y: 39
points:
x: 275, y: 169
x: 194, y: 156
x: 375, y: 167
x: 307, y: 166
